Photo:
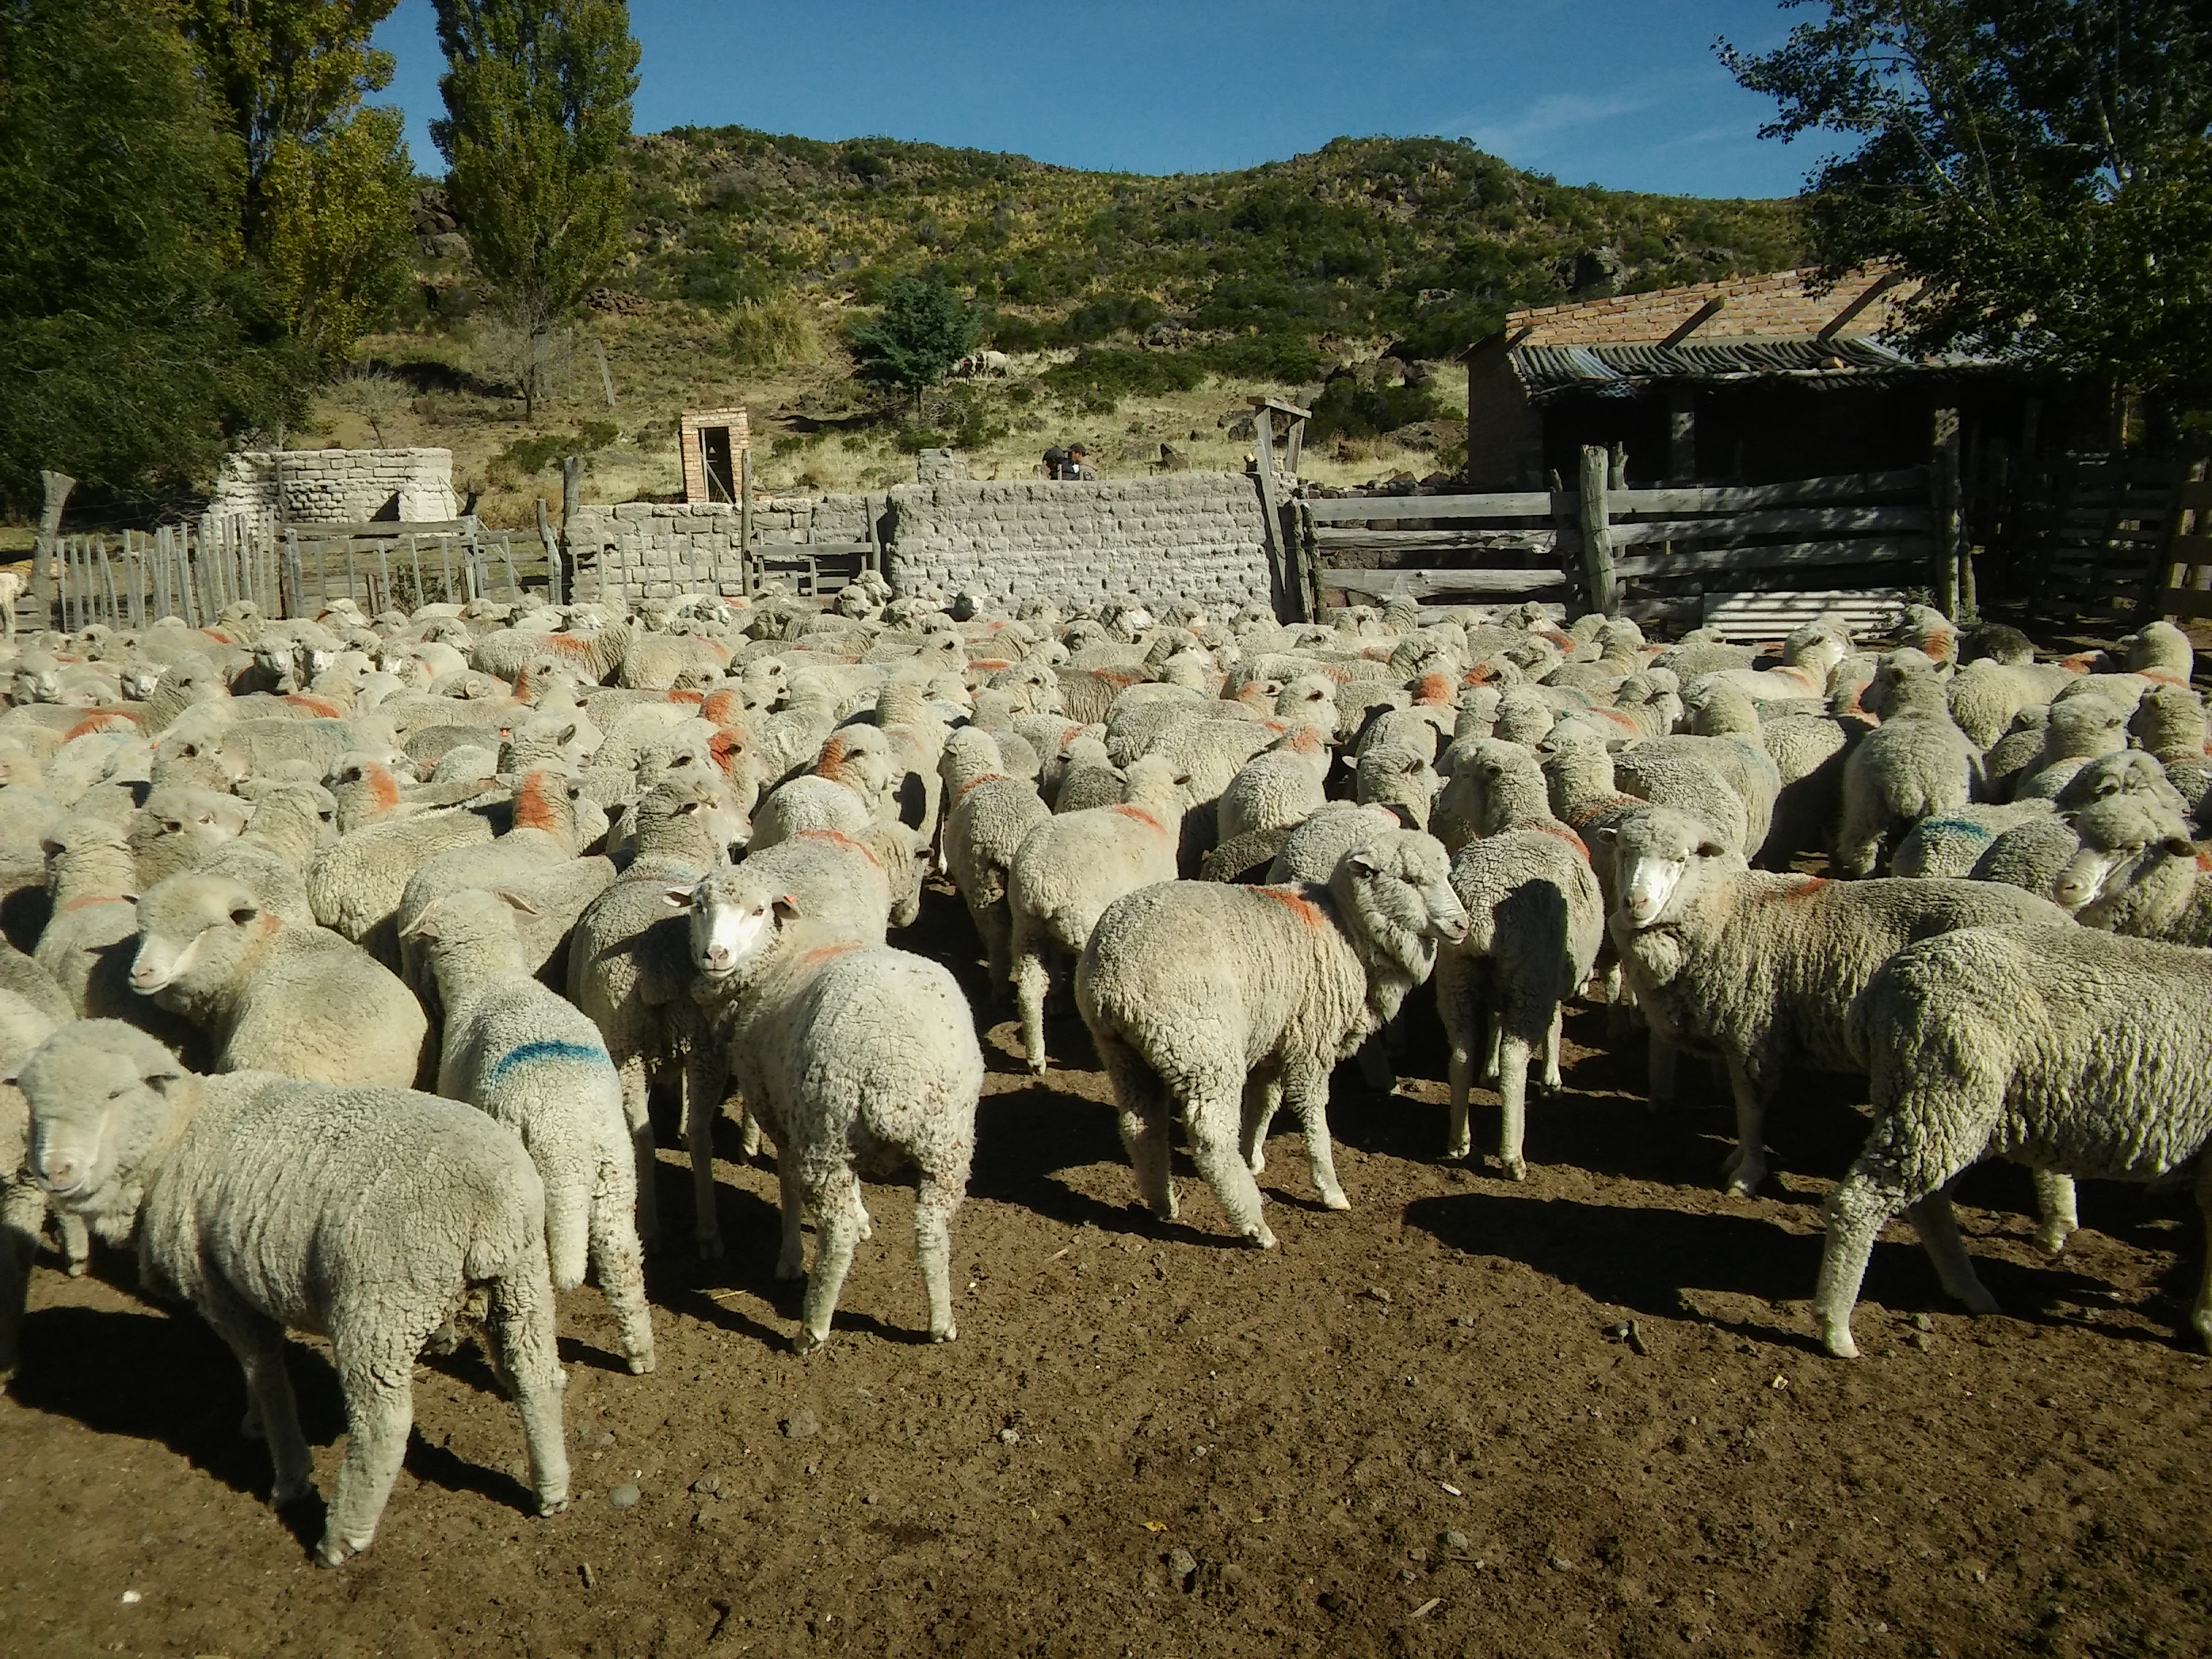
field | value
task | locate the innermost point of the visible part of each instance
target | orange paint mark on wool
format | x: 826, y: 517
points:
x: 1140, y: 815
x: 1804, y: 889
x: 218, y: 636
x: 533, y: 803
x: 1296, y: 903
x: 839, y: 838
x: 92, y: 899
x: 104, y: 720
x: 825, y: 952
x: 2204, y: 860
x: 1560, y: 832
x: 1481, y: 674
x: 1434, y: 689
x: 2164, y: 677
x: 720, y: 707
x: 572, y: 645
x: 2082, y: 662
x: 726, y: 749
x: 321, y: 708
x: 383, y: 788
x: 989, y: 664
x: 962, y: 792
x: 684, y: 694
x: 832, y: 758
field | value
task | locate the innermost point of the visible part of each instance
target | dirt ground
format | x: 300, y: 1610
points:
x: 1407, y: 1430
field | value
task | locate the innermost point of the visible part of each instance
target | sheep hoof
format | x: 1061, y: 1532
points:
x: 1459, y: 1149
x: 1515, y: 1169
x: 283, y: 1496
x: 1336, y: 1199
x: 552, y: 1505
x: 1837, y: 1340
x: 640, y: 1363
x: 1262, y: 1239
x: 805, y: 1341
x: 77, y: 1269
x: 789, y: 1270
x: 1980, y: 1302
x: 945, y: 1335
x: 710, y: 1248
x: 249, y: 1428
x: 2052, y: 1239
x: 334, y: 1552
x: 1743, y: 1187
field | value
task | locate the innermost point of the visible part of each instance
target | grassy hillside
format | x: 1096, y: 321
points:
x: 1140, y: 311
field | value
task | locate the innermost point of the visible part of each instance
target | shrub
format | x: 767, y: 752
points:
x: 772, y: 332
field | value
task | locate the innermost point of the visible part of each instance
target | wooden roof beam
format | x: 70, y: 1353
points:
x: 1868, y: 296
x: 1697, y: 320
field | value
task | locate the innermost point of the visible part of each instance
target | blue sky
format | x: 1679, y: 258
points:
x: 1622, y: 93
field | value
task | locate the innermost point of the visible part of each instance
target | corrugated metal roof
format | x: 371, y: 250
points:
x: 1622, y: 370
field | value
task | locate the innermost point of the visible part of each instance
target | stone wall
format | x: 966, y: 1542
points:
x: 1194, y: 536
x: 336, y: 486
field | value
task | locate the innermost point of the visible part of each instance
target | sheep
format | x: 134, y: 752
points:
x: 23, y: 1026
x: 1535, y: 916
x: 852, y: 1055
x: 178, y: 826
x: 1916, y: 764
x: 365, y: 1215
x: 1213, y: 1003
x: 528, y: 1058
x: 987, y: 814
x: 2141, y: 876
x: 2078, y: 731
x: 92, y: 881
x: 1397, y: 777
x: 1311, y: 852
x: 1689, y: 783
x: 276, y: 996
x: 1760, y: 969
x: 355, y: 885
x: 2072, y: 1051
x: 1072, y: 865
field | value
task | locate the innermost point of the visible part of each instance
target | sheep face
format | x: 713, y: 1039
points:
x: 2126, y: 843
x: 192, y: 933
x: 1399, y: 888
x: 735, y: 919
x: 102, y: 1094
x: 1661, y: 860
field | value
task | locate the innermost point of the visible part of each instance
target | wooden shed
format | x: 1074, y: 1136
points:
x: 1750, y: 381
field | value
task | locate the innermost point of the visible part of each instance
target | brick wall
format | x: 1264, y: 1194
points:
x: 1777, y: 305
x: 1195, y: 536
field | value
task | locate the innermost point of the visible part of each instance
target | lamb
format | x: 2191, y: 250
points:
x: 365, y: 1215
x: 1916, y: 764
x: 852, y: 1055
x: 2078, y: 731
x: 1072, y: 865
x: 527, y: 1059
x: 1534, y: 920
x: 2072, y: 1051
x: 1211, y: 1003
x: 1760, y: 969
x: 276, y: 996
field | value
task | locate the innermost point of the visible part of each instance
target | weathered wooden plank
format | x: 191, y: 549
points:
x: 1791, y: 556
x: 1436, y: 541
x: 1774, y: 616
x: 1359, y: 509
x: 1419, y: 583
x: 1741, y: 526
x: 1745, y: 498
x: 384, y: 528
x: 1592, y: 505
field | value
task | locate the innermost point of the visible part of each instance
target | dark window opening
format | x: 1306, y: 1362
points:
x: 720, y: 463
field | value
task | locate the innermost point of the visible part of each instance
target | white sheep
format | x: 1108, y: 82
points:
x: 1916, y: 764
x: 1072, y: 865
x: 274, y: 995
x: 366, y: 1215
x: 1211, y: 1003
x: 1761, y: 968
x: 2072, y: 1051
x: 525, y: 1056
x: 854, y: 1056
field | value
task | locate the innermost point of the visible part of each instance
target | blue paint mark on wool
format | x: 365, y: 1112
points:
x: 524, y: 1053
x: 1961, y: 826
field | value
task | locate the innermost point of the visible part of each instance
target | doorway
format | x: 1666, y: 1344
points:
x: 719, y: 463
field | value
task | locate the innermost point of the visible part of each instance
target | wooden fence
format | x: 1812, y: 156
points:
x: 130, y: 580
x: 1650, y: 554
x: 2184, y: 571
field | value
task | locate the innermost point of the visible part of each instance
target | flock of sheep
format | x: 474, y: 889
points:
x: 283, y: 873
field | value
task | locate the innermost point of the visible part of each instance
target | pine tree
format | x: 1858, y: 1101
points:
x: 924, y: 330
x: 536, y: 113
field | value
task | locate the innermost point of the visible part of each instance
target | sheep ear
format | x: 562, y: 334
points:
x: 1362, y: 861
x: 679, y: 898
x: 787, y: 909
x: 1710, y: 849
x: 2181, y: 847
x: 162, y: 1077
x: 515, y: 901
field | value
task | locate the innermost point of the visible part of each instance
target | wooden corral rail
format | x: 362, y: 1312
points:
x: 1645, y: 552
x: 2186, y: 570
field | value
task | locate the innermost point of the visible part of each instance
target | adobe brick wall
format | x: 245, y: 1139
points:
x: 1776, y: 305
x: 334, y: 486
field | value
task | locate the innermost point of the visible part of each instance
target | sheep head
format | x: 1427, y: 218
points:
x: 1396, y: 891
x: 1663, y: 859
x: 106, y: 1100
x: 194, y: 931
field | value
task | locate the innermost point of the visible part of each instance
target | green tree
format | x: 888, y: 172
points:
x: 537, y: 115
x: 136, y: 341
x: 326, y: 178
x: 2042, y: 166
x: 922, y: 330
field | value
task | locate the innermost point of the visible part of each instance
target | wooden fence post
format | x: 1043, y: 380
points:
x: 297, y: 577
x: 1596, y: 531
x: 1271, y: 512
x: 744, y: 523
x: 552, y: 555
x: 1943, y: 504
x: 572, y: 499
x: 57, y: 486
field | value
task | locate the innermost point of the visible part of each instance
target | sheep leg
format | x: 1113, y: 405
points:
x: 77, y: 1242
x: 1938, y: 1226
x: 995, y: 922
x: 258, y: 1342
x: 1263, y: 1096
x: 936, y: 1199
x: 22, y: 1213
x: 702, y: 1105
x: 1858, y: 836
x: 1660, y: 1054
x: 1307, y: 1093
x: 1514, y: 1048
x: 1746, y: 1167
x: 1456, y: 1008
x: 1141, y: 1103
x: 520, y: 1331
x: 634, y: 1086
x: 835, y: 1201
x: 1492, y: 1053
x: 1553, y: 1081
x: 618, y: 1260
x: 791, y: 1260
x: 376, y: 1362
x: 1213, y: 1116
x: 1857, y: 1211
x: 2055, y: 1203
x: 1032, y: 979
x: 2200, y: 1315
x: 1376, y: 1069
